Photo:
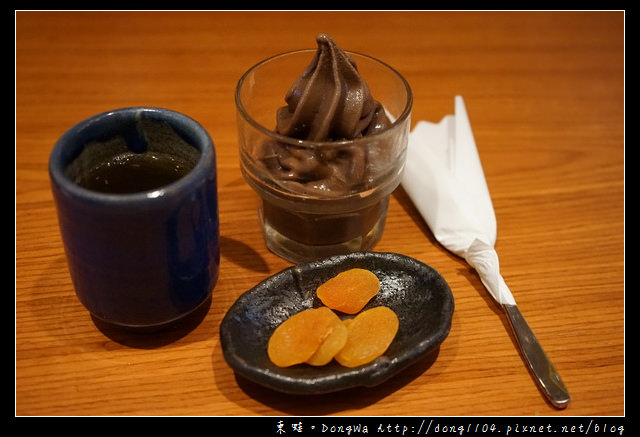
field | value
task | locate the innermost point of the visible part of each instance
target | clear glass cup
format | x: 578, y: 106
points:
x: 302, y: 223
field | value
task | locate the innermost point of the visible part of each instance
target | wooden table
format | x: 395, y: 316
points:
x: 545, y: 95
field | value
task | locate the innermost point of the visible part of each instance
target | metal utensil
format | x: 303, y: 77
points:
x: 443, y: 176
x: 541, y: 367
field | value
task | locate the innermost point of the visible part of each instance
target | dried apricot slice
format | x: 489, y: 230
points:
x: 370, y: 334
x: 331, y: 345
x: 296, y: 339
x: 349, y: 291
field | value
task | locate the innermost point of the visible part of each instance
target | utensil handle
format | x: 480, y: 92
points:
x: 546, y: 375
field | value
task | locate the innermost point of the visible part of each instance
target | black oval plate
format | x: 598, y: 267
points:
x: 415, y: 291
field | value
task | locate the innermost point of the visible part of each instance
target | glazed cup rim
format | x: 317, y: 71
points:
x: 199, y: 138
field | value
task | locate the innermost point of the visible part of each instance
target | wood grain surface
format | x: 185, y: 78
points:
x: 545, y: 96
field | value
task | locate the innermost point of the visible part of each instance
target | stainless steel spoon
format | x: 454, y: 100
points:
x: 541, y: 367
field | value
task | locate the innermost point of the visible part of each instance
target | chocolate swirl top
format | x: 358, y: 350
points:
x: 330, y: 101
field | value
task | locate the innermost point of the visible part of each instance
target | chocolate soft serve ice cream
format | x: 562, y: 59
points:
x: 325, y: 172
x: 330, y: 102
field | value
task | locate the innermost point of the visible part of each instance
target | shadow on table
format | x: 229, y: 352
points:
x: 329, y: 403
x: 410, y: 209
x: 158, y: 336
x: 242, y: 254
x: 67, y: 317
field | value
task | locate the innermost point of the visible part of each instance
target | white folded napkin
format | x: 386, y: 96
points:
x: 443, y: 177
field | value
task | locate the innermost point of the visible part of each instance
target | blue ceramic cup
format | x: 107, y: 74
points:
x: 148, y: 256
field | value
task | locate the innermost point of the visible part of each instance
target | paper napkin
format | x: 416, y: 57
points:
x: 443, y: 176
